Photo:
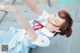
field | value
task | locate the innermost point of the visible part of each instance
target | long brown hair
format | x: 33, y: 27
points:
x: 66, y: 28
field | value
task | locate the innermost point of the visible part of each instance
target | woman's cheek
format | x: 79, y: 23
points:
x: 49, y: 20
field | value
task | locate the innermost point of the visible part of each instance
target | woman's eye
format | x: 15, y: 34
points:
x: 56, y: 21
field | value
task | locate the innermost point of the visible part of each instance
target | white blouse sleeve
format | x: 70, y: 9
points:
x: 42, y: 41
x: 44, y: 15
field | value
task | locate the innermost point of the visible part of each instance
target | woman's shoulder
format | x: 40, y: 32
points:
x: 44, y: 15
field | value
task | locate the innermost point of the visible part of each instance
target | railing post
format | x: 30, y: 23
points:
x: 49, y: 2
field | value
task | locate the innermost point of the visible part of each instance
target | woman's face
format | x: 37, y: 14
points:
x: 55, y: 21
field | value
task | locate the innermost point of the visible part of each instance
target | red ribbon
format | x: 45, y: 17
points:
x: 36, y: 25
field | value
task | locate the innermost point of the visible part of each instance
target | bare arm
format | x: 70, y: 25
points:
x: 24, y: 23
x: 33, y: 7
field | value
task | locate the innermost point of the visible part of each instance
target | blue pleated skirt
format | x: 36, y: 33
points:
x: 16, y: 40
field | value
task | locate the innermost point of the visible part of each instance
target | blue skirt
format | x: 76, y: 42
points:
x: 16, y: 40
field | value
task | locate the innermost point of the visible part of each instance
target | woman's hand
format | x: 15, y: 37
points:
x: 8, y: 8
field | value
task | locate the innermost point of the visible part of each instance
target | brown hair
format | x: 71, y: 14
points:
x: 66, y: 28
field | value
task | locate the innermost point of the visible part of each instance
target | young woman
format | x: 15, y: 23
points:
x: 38, y: 32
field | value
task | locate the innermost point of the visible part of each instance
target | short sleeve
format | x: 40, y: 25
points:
x: 42, y: 41
x: 44, y: 15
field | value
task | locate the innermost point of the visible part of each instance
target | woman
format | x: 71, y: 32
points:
x: 41, y: 30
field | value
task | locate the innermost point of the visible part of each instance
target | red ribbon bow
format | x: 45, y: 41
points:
x: 36, y: 25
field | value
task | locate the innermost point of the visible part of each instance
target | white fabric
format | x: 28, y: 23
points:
x: 42, y: 40
x: 44, y: 15
x: 46, y: 32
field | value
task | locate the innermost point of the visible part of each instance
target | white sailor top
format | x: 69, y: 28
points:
x: 44, y: 35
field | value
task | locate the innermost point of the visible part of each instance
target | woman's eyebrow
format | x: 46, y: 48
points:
x: 57, y: 19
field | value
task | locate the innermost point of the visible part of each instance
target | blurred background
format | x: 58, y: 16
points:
x: 59, y: 44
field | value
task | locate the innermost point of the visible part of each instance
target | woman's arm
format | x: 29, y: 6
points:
x: 33, y: 7
x: 32, y: 34
x: 22, y: 21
